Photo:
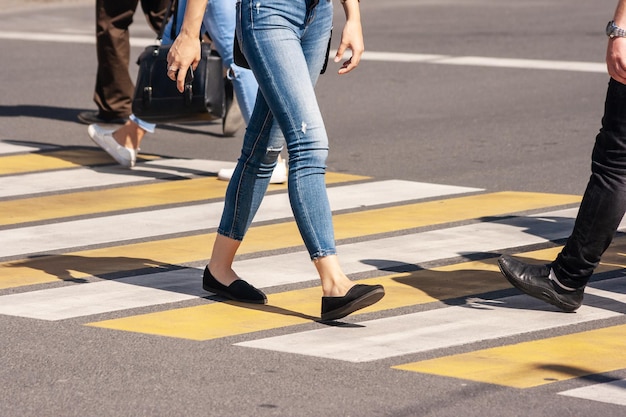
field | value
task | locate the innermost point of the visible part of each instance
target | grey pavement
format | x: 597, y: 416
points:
x: 484, y: 125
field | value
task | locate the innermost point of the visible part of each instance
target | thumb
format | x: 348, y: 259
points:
x: 340, y: 52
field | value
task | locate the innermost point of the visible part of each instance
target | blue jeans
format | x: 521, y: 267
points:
x: 285, y: 44
x: 604, y: 201
x: 219, y: 23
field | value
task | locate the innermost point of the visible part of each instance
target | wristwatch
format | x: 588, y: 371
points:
x: 614, y: 31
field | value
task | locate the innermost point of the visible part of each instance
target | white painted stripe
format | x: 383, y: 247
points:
x: 80, y: 300
x: 367, y: 55
x: 73, y: 301
x: 63, y: 235
x: 613, y: 392
x: 579, y: 66
x: 478, y: 320
x: 525, y: 64
x: 84, y: 178
x: 9, y: 148
x: 67, y: 38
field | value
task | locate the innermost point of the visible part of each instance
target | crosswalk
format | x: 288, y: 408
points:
x: 121, y: 250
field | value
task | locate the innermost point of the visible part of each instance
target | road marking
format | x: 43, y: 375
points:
x: 20, y: 147
x: 189, y: 190
x: 159, y: 222
x: 479, y: 61
x: 592, y: 67
x: 45, y: 161
x: 174, y: 251
x: 474, y: 321
x: 76, y: 300
x: 613, y: 392
x: 67, y: 180
x: 372, y: 340
x: 538, y: 362
x: 290, y: 308
x: 105, y: 296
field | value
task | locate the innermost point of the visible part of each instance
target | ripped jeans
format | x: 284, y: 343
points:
x: 285, y: 43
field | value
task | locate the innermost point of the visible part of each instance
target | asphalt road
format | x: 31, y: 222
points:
x: 489, y: 95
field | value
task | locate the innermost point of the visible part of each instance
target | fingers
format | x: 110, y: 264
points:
x: 177, y: 74
x: 180, y: 78
x: 616, y: 59
x: 352, y: 62
x: 172, y: 70
x: 184, y: 53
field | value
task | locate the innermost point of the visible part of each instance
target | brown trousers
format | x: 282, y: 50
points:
x: 114, y: 86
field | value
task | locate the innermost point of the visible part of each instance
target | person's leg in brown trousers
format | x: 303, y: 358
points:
x: 114, y: 86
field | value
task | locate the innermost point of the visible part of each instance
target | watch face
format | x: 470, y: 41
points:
x: 610, y: 29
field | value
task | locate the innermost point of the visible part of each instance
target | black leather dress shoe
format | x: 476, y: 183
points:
x: 239, y: 290
x: 535, y: 281
x: 90, y: 117
x: 358, y: 297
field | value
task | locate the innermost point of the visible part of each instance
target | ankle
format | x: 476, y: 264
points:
x: 224, y: 276
x: 129, y: 135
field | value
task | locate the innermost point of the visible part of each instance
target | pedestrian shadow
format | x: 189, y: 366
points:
x: 585, y: 374
x: 551, y: 228
x: 488, y: 289
x: 144, y: 272
x: 455, y: 288
x: 267, y: 308
x: 76, y: 268
x: 63, y: 114
x: 66, y: 114
x: 195, y: 128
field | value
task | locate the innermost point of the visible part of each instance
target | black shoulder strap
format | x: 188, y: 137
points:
x: 172, y: 6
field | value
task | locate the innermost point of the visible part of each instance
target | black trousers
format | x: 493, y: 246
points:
x: 604, y: 201
x: 114, y: 87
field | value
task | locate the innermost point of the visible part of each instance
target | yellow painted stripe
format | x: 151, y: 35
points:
x: 269, y: 237
x: 124, y: 198
x: 45, y: 161
x: 224, y: 319
x: 535, y: 363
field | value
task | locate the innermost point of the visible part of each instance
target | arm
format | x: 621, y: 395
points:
x: 616, y: 49
x: 351, y: 36
x: 185, y: 50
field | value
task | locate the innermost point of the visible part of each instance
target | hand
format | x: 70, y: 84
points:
x: 616, y: 59
x: 351, y: 38
x: 185, y: 52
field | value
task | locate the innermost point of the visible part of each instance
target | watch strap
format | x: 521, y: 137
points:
x: 614, y: 31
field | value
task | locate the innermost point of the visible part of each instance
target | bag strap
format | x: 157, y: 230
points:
x: 168, y: 13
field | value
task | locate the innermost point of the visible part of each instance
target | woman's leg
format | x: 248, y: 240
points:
x: 286, y: 47
x: 287, y: 60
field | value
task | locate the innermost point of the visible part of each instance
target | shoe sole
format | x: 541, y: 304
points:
x: 537, y: 292
x: 363, y: 301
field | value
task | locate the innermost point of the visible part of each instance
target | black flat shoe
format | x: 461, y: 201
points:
x: 239, y: 290
x: 359, y: 296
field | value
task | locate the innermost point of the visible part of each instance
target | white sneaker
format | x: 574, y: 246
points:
x: 279, y: 175
x: 104, y: 139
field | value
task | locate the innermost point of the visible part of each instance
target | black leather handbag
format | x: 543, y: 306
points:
x: 156, y: 98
